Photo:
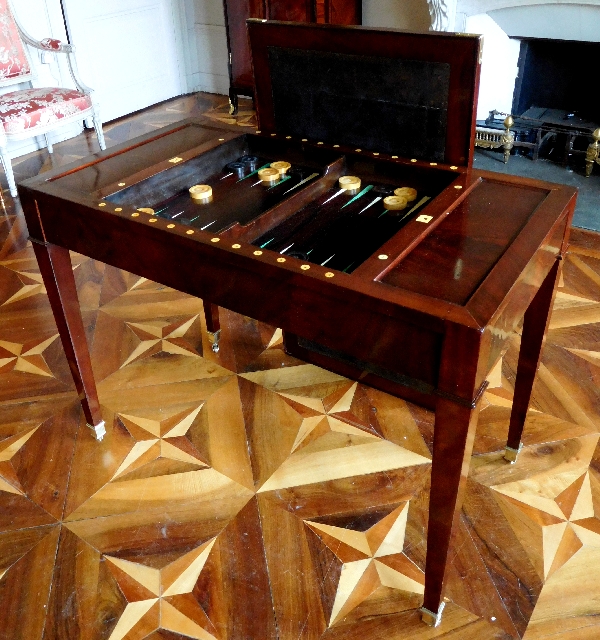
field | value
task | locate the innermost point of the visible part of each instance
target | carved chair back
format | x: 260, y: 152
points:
x: 26, y: 113
x: 15, y: 66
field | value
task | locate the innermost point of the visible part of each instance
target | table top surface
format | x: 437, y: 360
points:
x: 469, y: 259
x: 439, y: 253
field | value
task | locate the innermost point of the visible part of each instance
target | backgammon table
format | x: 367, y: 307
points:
x: 415, y: 294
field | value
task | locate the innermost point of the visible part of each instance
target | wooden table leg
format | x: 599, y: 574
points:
x: 57, y: 272
x: 535, y: 327
x: 213, y: 325
x: 461, y: 382
x: 453, y: 438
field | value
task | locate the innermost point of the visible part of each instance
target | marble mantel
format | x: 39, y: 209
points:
x: 449, y: 15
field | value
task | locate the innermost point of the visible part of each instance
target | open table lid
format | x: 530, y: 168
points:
x: 409, y: 94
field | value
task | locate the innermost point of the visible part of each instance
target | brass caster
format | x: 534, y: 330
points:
x: 214, y: 338
x: 511, y: 454
x: 99, y: 430
x: 430, y: 618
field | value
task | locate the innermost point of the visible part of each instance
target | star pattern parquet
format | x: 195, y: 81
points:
x: 246, y: 495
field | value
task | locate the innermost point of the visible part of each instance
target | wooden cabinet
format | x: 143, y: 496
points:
x: 241, y: 80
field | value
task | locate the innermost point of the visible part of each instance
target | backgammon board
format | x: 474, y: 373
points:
x: 351, y: 219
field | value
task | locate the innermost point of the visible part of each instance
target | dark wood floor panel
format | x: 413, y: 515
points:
x: 247, y: 495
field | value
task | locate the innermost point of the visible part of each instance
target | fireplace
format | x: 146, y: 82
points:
x: 557, y: 74
x: 553, y: 94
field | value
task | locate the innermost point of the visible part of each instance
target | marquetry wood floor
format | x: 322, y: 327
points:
x: 246, y: 495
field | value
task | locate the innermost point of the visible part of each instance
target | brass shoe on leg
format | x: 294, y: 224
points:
x: 214, y: 338
x: 99, y: 430
x: 511, y: 454
x: 431, y: 618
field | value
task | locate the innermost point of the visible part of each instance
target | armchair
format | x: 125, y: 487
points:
x: 26, y: 113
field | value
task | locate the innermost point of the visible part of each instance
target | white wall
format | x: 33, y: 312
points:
x: 206, y: 55
x: 412, y: 15
x: 498, y: 68
x: 565, y: 21
x: 43, y: 19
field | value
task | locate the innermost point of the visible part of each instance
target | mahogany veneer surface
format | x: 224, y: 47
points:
x: 466, y: 237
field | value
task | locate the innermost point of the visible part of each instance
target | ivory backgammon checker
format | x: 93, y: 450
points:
x: 352, y: 219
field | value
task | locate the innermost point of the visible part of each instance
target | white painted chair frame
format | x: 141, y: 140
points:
x: 91, y: 114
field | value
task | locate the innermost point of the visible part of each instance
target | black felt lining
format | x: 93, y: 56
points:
x: 381, y: 104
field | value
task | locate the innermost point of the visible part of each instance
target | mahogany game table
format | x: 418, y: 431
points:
x: 418, y: 302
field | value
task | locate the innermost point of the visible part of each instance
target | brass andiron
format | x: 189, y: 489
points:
x: 508, y: 137
x: 493, y: 139
x: 593, y: 153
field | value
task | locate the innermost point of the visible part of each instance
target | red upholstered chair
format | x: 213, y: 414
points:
x: 26, y: 113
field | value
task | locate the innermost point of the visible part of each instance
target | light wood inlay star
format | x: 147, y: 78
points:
x: 160, y: 338
x: 323, y: 404
x: 553, y: 517
x: 162, y: 599
x: 27, y: 357
x: 32, y: 286
x: 160, y: 439
x: 370, y: 559
x: 24, y: 266
x: 9, y: 448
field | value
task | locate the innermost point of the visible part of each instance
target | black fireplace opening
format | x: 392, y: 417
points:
x: 558, y: 74
x: 555, y: 99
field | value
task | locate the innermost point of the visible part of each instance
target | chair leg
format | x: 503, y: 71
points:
x: 48, y: 143
x: 98, y: 127
x: 12, y: 185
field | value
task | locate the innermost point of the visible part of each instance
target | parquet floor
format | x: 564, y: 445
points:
x: 246, y: 495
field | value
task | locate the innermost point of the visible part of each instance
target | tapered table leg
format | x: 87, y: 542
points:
x: 57, y: 272
x: 453, y: 438
x: 535, y: 327
x: 213, y: 325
